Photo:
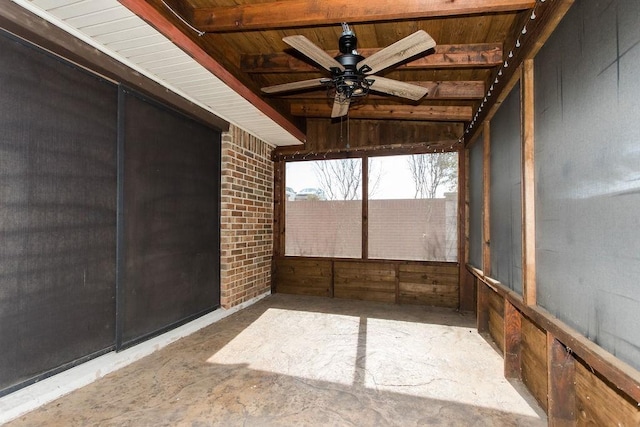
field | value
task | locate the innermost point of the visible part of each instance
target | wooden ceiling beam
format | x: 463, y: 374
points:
x: 445, y: 56
x: 389, y: 112
x: 437, y: 91
x: 301, y: 13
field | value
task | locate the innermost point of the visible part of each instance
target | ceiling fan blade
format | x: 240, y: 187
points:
x: 340, y: 107
x: 401, y: 50
x: 312, y: 51
x: 287, y: 87
x: 397, y: 88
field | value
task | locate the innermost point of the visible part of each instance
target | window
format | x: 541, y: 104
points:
x: 412, y: 208
x: 324, y: 208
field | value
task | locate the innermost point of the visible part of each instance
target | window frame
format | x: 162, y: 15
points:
x: 364, y: 154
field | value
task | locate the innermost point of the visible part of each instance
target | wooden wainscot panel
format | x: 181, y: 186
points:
x: 599, y: 404
x: 369, y: 281
x: 303, y: 277
x: 496, y: 319
x: 435, y: 285
x: 534, y: 360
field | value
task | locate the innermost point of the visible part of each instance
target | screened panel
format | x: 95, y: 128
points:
x: 171, y: 219
x: 588, y: 174
x: 506, y: 193
x: 324, y: 208
x: 476, y: 202
x: 57, y: 214
x: 413, y: 207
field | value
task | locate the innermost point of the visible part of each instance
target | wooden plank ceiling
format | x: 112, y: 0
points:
x: 245, y: 38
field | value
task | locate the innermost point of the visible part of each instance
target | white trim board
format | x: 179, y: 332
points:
x: 31, y: 397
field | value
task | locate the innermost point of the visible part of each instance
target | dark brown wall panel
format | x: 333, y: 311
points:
x: 57, y: 214
x: 171, y: 245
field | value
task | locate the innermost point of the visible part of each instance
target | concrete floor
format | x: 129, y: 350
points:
x: 304, y: 361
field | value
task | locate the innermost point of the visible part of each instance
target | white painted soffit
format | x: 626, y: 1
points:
x: 115, y: 30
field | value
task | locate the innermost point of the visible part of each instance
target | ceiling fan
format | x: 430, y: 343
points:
x: 353, y: 75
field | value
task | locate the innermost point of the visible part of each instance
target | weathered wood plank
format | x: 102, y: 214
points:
x: 430, y: 285
x: 366, y: 295
x: 599, y: 404
x: 445, y: 56
x: 618, y: 375
x: 496, y: 303
x: 434, y: 278
x: 303, y: 277
x: 486, y: 197
x: 482, y: 306
x: 496, y: 328
x: 534, y: 360
x: 434, y: 295
x: 561, y: 409
x: 512, y: 342
x: 369, y: 281
x: 528, y: 185
x: 298, y: 13
x: 453, y: 113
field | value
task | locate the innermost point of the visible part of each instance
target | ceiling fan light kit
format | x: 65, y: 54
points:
x: 352, y: 75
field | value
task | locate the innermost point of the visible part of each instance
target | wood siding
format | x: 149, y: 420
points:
x: 303, y: 277
x: 555, y: 363
x: 496, y: 319
x: 404, y: 282
x: 428, y: 285
x: 534, y: 360
x: 598, y: 404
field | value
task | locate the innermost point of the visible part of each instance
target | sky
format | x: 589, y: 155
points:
x: 395, y: 177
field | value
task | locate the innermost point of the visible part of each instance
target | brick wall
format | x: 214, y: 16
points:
x: 246, y: 223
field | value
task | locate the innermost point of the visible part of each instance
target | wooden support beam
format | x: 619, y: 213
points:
x: 154, y: 18
x: 365, y: 210
x: 437, y: 91
x: 528, y: 185
x: 467, y: 293
x: 445, y: 56
x: 279, y: 207
x: 300, y: 13
x: 561, y: 379
x: 486, y: 196
x: 391, y: 112
x: 512, y: 341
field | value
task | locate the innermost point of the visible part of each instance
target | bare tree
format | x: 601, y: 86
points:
x: 342, y: 179
x: 430, y: 171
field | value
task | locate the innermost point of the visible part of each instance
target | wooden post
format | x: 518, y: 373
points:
x: 528, y: 185
x: 512, y: 341
x: 365, y: 207
x: 486, y: 195
x: 561, y: 378
x: 279, y: 204
x: 466, y: 288
x: 483, y: 307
